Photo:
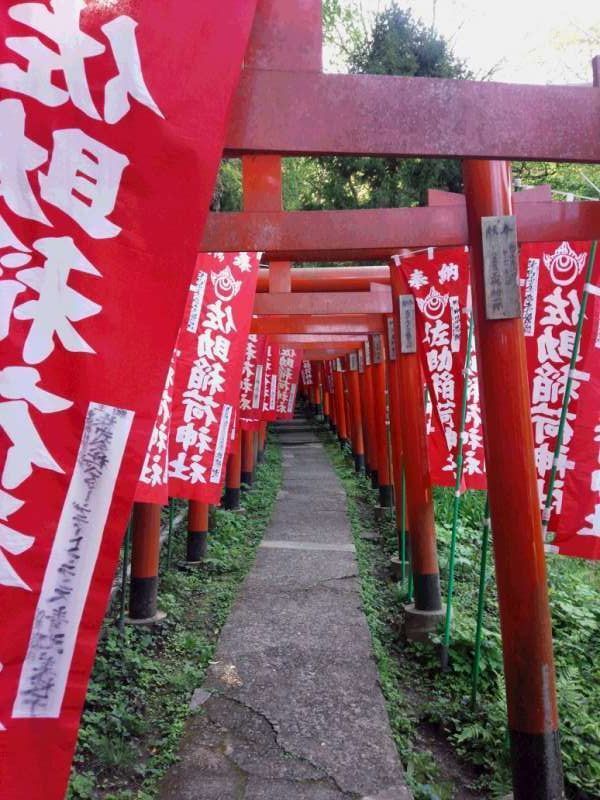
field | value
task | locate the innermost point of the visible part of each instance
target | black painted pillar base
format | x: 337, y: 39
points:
x: 427, y: 592
x: 333, y: 428
x: 359, y: 462
x: 326, y: 420
x: 247, y: 478
x: 374, y: 479
x: 386, y: 496
x: 197, y: 546
x: 231, y: 498
x: 318, y: 411
x: 143, y: 599
x: 343, y: 442
x: 536, y: 766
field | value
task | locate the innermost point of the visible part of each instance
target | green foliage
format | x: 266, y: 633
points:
x: 228, y: 190
x: 582, y: 180
x: 138, y: 698
x: 395, y: 44
x: 478, y: 737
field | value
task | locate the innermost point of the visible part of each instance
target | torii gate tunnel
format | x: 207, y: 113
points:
x: 286, y: 106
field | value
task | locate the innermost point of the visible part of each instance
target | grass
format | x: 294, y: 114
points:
x: 420, y: 698
x: 138, y: 698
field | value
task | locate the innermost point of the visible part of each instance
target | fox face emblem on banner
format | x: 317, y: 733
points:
x: 98, y: 142
x: 552, y: 278
x: 211, y: 352
x: 439, y: 281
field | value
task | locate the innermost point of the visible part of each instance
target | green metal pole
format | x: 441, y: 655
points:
x: 126, y: 545
x: 485, y: 546
x: 546, y: 513
x: 403, y: 531
x: 170, y: 534
x: 456, y: 499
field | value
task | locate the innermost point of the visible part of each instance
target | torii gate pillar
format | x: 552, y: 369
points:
x: 515, y: 513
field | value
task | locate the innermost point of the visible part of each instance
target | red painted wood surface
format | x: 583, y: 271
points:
x: 501, y: 121
x: 513, y: 493
x: 145, y: 540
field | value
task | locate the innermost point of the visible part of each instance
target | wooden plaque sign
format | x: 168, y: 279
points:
x: 501, y: 267
x: 391, y: 339
x: 408, y: 326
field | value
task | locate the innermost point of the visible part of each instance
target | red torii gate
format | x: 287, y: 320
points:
x: 357, y: 115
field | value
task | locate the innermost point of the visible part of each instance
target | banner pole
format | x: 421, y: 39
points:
x: 403, y: 529
x: 170, y: 534
x: 547, y: 512
x: 457, y: 497
x: 125, y: 566
x: 485, y: 545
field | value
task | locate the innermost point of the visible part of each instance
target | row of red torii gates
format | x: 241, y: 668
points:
x: 286, y: 106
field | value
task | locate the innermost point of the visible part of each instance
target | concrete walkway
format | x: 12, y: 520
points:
x: 295, y: 711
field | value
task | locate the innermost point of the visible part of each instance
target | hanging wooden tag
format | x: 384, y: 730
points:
x: 501, y: 268
x: 408, y: 325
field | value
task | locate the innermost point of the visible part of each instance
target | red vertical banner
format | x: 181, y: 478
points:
x: 271, y: 383
x: 211, y: 351
x: 112, y: 123
x: 439, y: 281
x: 329, y: 376
x: 307, y: 373
x: 251, y: 387
x: 153, y: 486
x: 553, y: 277
x: 289, y: 375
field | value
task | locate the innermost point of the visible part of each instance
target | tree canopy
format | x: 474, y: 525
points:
x: 393, y: 43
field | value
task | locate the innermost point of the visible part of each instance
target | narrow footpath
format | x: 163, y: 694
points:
x: 292, y: 708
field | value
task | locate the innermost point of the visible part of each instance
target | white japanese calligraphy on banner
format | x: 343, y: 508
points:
x: 289, y: 369
x: 271, y: 383
x: 252, y: 382
x: 439, y: 281
x: 96, y: 145
x: 552, y: 280
x: 208, y: 373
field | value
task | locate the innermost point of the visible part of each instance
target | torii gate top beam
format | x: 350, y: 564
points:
x: 377, y: 234
x: 408, y: 117
x: 283, y: 86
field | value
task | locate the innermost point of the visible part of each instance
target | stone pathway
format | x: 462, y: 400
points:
x: 292, y: 709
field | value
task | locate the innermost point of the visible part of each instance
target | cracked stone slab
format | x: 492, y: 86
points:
x: 283, y: 545
x: 295, y: 710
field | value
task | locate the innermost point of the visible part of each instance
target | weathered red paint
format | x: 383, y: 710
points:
x: 384, y: 477
x: 370, y: 425
x: 234, y: 465
x: 395, y: 432
x: 358, y: 443
x: 322, y: 303
x: 248, y: 453
x: 512, y: 488
x: 316, y: 324
x: 145, y: 540
x: 340, y: 406
x: 286, y: 35
x: 543, y: 123
x: 381, y: 233
x: 198, y: 516
x: 330, y: 279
